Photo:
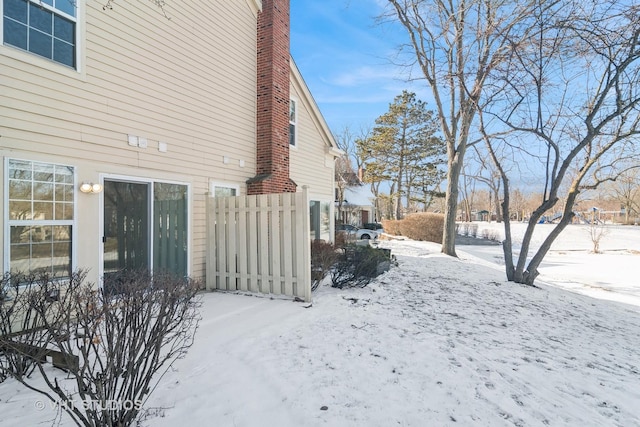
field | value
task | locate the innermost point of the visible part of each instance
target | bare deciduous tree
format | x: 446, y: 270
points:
x: 518, y: 205
x: 456, y: 45
x: 469, y: 192
x: 626, y: 190
x: 489, y: 175
x: 346, y: 176
x: 572, y: 95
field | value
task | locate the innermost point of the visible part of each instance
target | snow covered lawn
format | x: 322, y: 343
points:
x: 434, y: 342
x: 612, y: 275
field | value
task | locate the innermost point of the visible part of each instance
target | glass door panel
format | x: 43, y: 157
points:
x: 126, y: 227
x: 170, y: 228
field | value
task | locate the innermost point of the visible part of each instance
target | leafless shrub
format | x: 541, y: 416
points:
x: 115, y: 346
x: 358, y: 265
x: 323, y: 257
x: 23, y: 340
x: 342, y: 239
x: 597, y: 231
x: 489, y: 234
x: 473, y: 230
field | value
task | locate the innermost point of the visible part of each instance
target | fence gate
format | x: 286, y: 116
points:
x: 260, y: 244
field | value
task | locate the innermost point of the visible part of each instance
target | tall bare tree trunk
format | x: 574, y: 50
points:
x: 507, y: 243
x: 499, y: 213
x: 451, y: 203
x: 457, y: 46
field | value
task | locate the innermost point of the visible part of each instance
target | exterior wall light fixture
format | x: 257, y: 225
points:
x: 89, y: 187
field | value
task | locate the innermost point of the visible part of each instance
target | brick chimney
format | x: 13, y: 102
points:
x: 272, y: 121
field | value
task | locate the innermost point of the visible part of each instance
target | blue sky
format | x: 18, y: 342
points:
x: 344, y: 57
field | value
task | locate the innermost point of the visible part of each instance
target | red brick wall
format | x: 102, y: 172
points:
x: 272, y: 139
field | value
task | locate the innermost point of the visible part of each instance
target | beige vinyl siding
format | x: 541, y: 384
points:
x: 311, y: 162
x: 143, y: 97
x: 312, y: 159
x: 189, y: 82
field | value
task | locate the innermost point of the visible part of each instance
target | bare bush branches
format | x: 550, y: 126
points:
x: 115, y: 346
x: 323, y: 256
x: 358, y: 265
x: 597, y: 230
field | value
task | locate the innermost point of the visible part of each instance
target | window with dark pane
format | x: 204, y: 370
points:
x: 293, y: 120
x: 46, y: 28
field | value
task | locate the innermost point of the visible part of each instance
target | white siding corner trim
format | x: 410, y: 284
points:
x: 256, y: 6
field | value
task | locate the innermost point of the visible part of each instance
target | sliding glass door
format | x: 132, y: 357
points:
x: 145, y: 227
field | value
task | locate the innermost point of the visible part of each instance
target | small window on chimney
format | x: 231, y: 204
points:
x: 293, y: 119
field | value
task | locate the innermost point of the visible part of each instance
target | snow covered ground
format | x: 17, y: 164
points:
x: 435, y: 341
x: 612, y: 274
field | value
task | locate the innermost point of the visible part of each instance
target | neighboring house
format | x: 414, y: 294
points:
x: 354, y: 200
x: 358, y: 206
x: 115, y: 125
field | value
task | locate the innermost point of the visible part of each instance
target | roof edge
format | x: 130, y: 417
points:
x: 317, y: 114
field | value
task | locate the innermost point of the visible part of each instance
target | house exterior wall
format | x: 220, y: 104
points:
x: 188, y: 82
x: 313, y: 158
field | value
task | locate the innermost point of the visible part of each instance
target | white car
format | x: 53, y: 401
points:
x: 358, y: 233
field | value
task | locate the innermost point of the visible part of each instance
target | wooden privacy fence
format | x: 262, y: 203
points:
x: 260, y: 244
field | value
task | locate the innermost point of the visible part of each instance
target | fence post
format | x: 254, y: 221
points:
x: 305, y: 271
x: 210, y: 271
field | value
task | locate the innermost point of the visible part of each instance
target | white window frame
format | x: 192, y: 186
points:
x: 8, y: 223
x: 220, y: 184
x: 293, y: 121
x: 34, y: 58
